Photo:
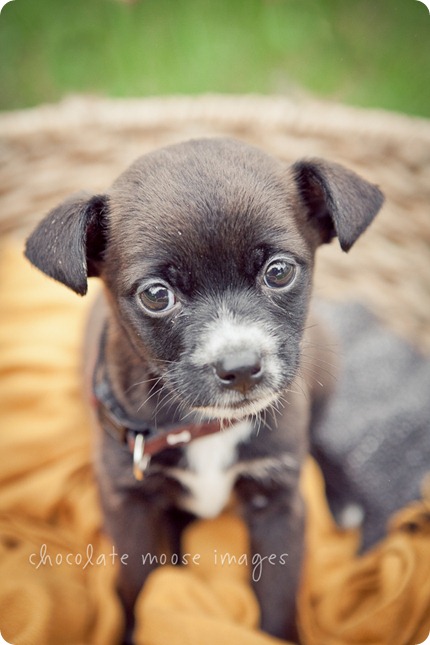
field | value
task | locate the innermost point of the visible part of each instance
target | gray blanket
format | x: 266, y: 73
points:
x: 373, y: 441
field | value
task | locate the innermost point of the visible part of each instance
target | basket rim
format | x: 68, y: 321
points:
x: 305, y: 117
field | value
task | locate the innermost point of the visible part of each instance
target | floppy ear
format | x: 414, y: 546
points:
x: 68, y: 244
x: 339, y: 202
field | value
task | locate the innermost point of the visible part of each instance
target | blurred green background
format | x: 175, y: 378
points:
x: 373, y: 53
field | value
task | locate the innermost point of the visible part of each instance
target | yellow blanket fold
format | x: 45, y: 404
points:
x: 57, y: 569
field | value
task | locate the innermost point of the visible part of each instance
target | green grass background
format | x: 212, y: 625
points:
x: 373, y: 53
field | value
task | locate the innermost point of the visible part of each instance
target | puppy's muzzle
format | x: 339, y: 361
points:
x: 239, y: 371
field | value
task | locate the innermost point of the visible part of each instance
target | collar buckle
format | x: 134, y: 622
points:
x: 140, y: 460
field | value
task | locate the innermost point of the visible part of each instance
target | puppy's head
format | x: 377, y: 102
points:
x: 206, y: 249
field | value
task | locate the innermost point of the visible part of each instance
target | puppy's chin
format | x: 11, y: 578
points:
x: 237, y: 411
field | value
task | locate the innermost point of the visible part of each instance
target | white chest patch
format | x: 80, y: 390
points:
x: 209, y: 478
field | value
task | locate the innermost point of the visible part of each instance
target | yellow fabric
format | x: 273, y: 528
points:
x: 63, y: 592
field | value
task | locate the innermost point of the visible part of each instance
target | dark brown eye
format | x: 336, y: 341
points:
x: 157, y: 298
x: 279, y: 274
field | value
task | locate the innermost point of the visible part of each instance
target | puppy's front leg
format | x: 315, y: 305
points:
x: 276, y: 522
x: 133, y: 526
x: 130, y: 520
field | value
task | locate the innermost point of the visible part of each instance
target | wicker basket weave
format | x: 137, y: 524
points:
x: 49, y: 152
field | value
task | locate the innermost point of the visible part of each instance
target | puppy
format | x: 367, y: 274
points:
x: 205, y: 369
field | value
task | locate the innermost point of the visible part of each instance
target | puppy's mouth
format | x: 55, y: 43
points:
x: 238, y: 410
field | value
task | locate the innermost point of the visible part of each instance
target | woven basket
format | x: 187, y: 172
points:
x: 49, y: 152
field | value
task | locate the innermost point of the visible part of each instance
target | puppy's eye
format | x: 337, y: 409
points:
x: 157, y: 298
x: 279, y: 274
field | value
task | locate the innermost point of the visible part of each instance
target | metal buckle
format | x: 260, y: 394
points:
x: 140, y: 460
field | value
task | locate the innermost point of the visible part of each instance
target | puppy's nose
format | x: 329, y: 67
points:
x: 239, y: 371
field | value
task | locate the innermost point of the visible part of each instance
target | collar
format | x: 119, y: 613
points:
x: 143, y: 439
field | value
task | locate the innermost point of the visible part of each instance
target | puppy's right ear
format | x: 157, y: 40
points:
x: 68, y: 244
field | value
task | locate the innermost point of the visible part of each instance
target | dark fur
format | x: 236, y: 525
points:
x: 205, y: 216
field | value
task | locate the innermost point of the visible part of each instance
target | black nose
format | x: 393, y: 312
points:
x: 239, y: 371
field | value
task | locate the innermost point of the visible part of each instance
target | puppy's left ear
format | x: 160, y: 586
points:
x: 68, y: 244
x: 339, y: 202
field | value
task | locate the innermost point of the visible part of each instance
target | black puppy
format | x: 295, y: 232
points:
x: 206, y: 251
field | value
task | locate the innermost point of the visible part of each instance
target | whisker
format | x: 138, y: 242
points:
x: 144, y: 382
x: 163, y: 400
x: 308, y: 368
x: 318, y: 360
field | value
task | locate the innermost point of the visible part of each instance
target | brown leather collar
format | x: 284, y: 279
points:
x: 181, y: 435
x: 142, y: 439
